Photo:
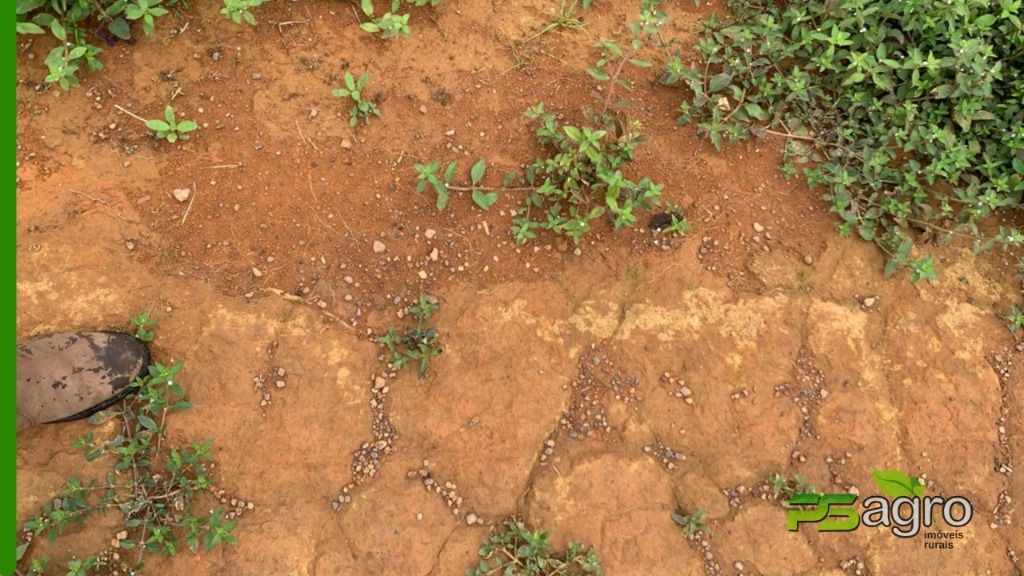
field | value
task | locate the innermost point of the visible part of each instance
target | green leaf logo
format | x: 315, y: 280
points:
x: 896, y: 484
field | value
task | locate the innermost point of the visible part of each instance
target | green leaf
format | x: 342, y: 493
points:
x: 29, y: 28
x: 598, y: 74
x: 895, y: 484
x: 147, y: 422
x: 478, y: 170
x: 58, y: 31
x: 119, y: 27
x: 158, y: 125
x: 484, y: 199
x: 367, y: 6
x: 26, y: 6
x: 718, y: 82
x: 449, y: 172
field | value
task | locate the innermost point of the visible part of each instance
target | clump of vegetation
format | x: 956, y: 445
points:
x: 238, y: 10
x: 353, y: 90
x: 910, y: 115
x: 170, y: 128
x: 75, y: 22
x: 390, y: 24
x: 691, y: 524
x: 143, y: 326
x: 417, y: 343
x: 515, y: 550
x: 1015, y: 319
x: 782, y: 486
x: 153, y: 486
x: 582, y: 179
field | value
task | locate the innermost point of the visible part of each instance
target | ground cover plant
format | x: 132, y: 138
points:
x: 153, y: 486
x: 515, y: 550
x: 910, y: 115
x: 581, y: 179
x: 361, y: 109
x: 417, y: 343
x: 77, y: 24
x: 390, y: 24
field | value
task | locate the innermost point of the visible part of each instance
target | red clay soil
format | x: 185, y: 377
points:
x: 588, y: 390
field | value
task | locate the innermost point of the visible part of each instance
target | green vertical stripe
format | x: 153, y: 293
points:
x: 8, y: 432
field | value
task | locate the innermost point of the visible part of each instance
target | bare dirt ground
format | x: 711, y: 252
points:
x: 559, y: 397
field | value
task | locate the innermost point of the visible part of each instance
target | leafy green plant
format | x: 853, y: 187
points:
x: 73, y: 23
x: 782, y: 486
x: 170, y: 128
x: 353, y: 90
x: 417, y: 343
x: 238, y: 10
x: 910, y: 115
x: 614, y: 57
x: 691, y: 523
x: 427, y: 174
x: 390, y: 24
x: 143, y: 323
x: 563, y: 19
x: 516, y: 550
x: 581, y: 178
x: 1015, y: 319
x: 145, y: 10
x: 153, y: 486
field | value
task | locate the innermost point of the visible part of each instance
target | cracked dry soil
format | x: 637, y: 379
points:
x: 591, y: 395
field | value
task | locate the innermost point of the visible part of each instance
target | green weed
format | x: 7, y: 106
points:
x: 417, y: 343
x: 581, y: 178
x: 390, y: 24
x: 238, y: 10
x: 1015, y: 319
x: 909, y: 115
x: 153, y: 486
x: 517, y: 551
x: 73, y: 23
x: 691, y: 523
x: 143, y: 323
x: 170, y: 128
x: 353, y: 90
x: 782, y: 486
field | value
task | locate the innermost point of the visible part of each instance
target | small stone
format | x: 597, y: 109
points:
x: 346, y: 143
x: 379, y: 383
x: 181, y: 194
x: 379, y: 247
x: 430, y: 233
x: 758, y: 227
x: 471, y: 518
x: 256, y: 272
x: 808, y: 260
x: 423, y: 109
x: 434, y: 254
x: 422, y: 274
x: 122, y: 535
x: 280, y: 384
x: 738, y: 566
x: 869, y: 301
